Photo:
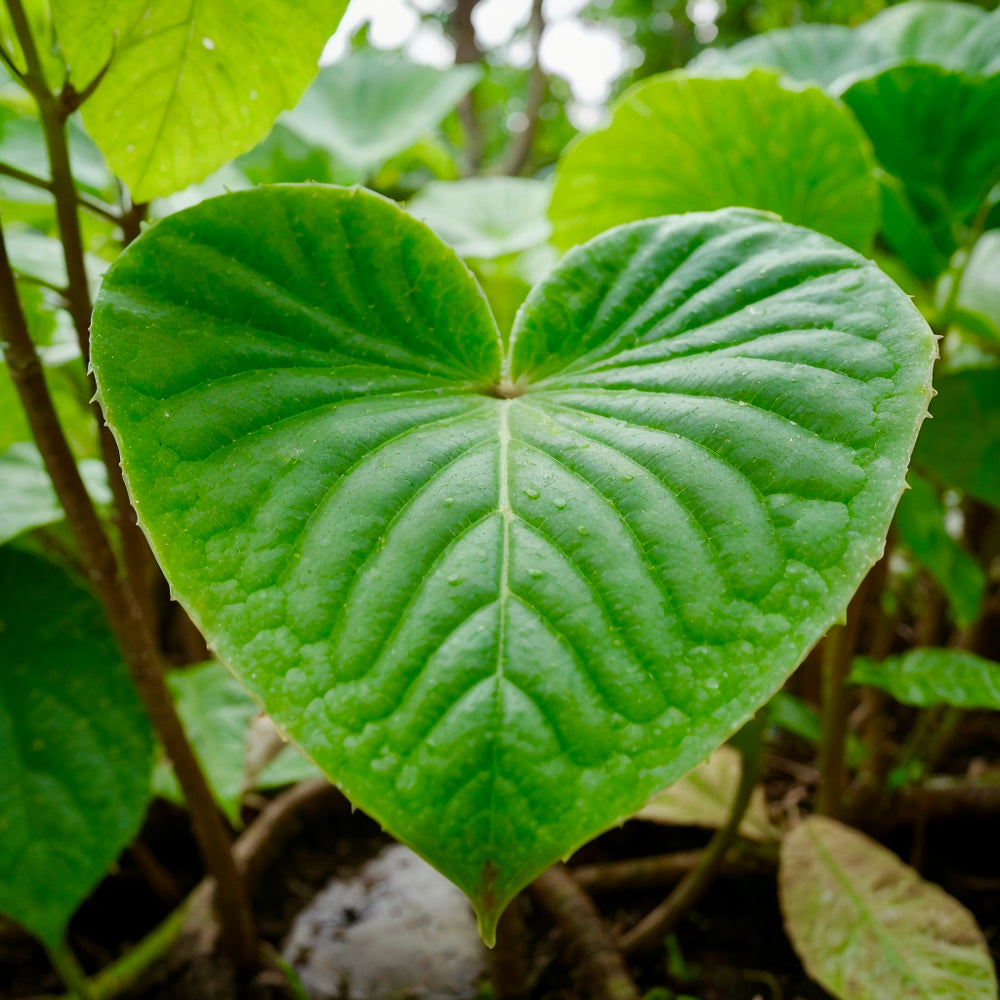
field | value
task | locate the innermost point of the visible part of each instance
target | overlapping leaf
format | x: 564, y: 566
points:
x: 680, y: 144
x: 503, y: 592
x: 76, y: 748
x: 188, y: 86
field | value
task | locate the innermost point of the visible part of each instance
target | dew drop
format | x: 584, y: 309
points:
x: 448, y: 501
x: 535, y: 573
x: 454, y: 580
x: 208, y: 43
x: 559, y: 503
x: 628, y: 477
x: 532, y: 494
x: 583, y: 529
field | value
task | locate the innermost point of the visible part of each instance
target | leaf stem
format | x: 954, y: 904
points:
x: 92, y: 205
x: 124, y: 615
x: 578, y: 919
x: 66, y: 964
x: 657, y: 924
x: 838, y: 649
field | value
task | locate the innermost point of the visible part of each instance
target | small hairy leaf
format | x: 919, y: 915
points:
x: 868, y: 927
x: 503, y: 591
x: 76, y: 747
x: 926, y: 677
x: 190, y: 85
x: 677, y: 143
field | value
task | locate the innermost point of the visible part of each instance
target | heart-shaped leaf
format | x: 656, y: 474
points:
x: 678, y: 143
x: 504, y: 592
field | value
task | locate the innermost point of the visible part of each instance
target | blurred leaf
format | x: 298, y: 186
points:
x: 958, y: 448
x: 705, y: 797
x: 681, y: 144
x: 935, y: 129
x: 919, y: 231
x: 373, y: 105
x: 27, y: 498
x: 929, y: 31
x: 785, y: 711
x: 35, y: 255
x: 75, y: 746
x: 978, y: 304
x: 217, y: 712
x: 807, y: 53
x: 927, y: 677
x: 185, y: 92
x: 920, y: 520
x: 868, y: 927
x: 486, y: 217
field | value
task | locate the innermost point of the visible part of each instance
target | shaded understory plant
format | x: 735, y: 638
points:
x: 502, y: 563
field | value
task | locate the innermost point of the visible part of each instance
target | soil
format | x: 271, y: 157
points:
x: 732, y: 945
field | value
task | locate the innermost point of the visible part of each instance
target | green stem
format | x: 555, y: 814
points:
x: 956, y: 272
x: 66, y: 964
x: 656, y: 925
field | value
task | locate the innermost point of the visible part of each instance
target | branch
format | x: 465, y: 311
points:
x: 578, y: 919
x: 521, y: 144
x: 92, y: 205
x: 122, y: 611
x: 467, y: 50
x: 656, y: 925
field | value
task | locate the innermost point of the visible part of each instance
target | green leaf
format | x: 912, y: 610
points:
x: 934, y: 129
x: 958, y: 447
x: 807, y: 53
x: 979, y: 294
x: 705, y: 797
x: 678, y: 144
x: 927, y: 677
x: 929, y: 31
x: 216, y: 712
x: 75, y: 746
x: 373, y: 105
x: 502, y: 624
x: 785, y: 711
x: 27, y: 499
x: 189, y: 86
x: 868, y: 927
x: 486, y: 217
x: 920, y: 520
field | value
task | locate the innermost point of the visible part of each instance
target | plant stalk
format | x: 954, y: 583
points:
x: 124, y: 615
x: 656, y: 925
x: 838, y: 650
x: 66, y: 964
x: 577, y: 917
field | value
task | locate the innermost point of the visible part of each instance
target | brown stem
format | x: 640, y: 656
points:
x: 657, y: 924
x: 509, y: 958
x: 467, y: 50
x: 521, y: 145
x: 838, y: 649
x: 577, y: 917
x: 667, y: 869
x: 53, y: 110
x: 123, y: 613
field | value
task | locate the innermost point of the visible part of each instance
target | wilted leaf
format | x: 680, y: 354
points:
x: 868, y: 927
x: 705, y: 798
